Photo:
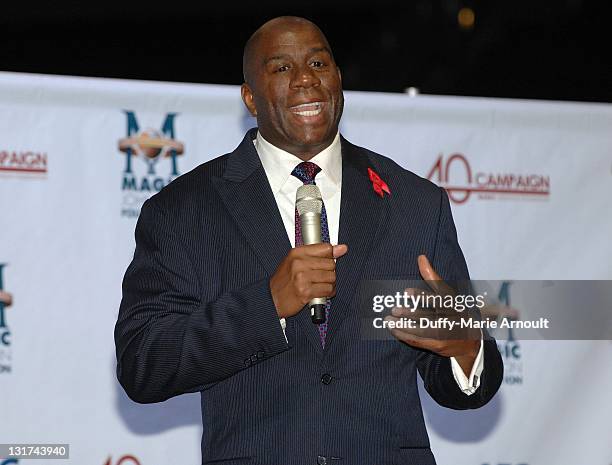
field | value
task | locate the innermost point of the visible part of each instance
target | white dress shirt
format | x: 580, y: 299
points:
x: 278, y: 165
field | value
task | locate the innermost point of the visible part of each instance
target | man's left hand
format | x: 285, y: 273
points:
x: 464, y: 350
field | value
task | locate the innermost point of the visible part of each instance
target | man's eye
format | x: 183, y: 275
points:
x: 317, y: 64
x: 282, y: 69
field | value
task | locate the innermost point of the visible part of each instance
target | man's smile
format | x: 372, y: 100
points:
x: 307, y: 109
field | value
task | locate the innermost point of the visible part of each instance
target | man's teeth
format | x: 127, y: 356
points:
x: 308, y: 113
x: 307, y: 109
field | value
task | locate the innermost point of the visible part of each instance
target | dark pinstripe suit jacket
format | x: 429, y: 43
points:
x: 197, y: 315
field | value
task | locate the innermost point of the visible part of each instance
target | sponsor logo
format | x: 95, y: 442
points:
x: 142, y: 179
x: 6, y: 301
x: 508, y: 346
x: 460, y: 181
x: 124, y: 460
x: 23, y: 162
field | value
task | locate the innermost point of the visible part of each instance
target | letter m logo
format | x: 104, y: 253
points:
x: 133, y: 130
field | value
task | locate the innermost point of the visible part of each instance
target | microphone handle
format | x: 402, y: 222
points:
x: 311, y: 234
x: 317, y: 310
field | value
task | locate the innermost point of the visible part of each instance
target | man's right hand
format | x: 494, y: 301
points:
x: 306, y: 272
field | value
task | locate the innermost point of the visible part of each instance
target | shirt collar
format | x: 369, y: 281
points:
x: 278, y: 164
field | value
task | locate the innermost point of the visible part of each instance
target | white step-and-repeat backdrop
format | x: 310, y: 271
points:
x: 530, y: 183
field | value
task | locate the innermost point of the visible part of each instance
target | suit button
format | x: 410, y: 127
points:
x: 321, y: 460
x: 247, y: 362
x: 253, y: 358
x: 260, y: 354
x: 326, y: 379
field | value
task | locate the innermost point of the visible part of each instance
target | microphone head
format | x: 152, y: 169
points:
x: 308, y: 199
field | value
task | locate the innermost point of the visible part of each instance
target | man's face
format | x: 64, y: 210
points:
x: 295, y: 89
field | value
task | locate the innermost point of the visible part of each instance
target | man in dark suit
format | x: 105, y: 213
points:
x: 214, y: 298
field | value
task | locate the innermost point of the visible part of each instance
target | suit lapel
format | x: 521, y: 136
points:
x: 361, y: 212
x: 247, y: 195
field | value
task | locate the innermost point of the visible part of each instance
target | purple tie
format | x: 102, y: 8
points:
x: 306, y: 172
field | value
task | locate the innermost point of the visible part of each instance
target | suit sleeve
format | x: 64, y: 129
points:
x: 436, y: 370
x: 168, y: 341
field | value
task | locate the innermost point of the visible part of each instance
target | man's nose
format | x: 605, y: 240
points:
x: 305, y: 76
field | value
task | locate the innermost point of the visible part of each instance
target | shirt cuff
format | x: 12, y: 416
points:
x: 469, y: 385
x: 283, y: 324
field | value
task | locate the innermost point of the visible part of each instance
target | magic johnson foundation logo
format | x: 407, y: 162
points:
x: 456, y: 175
x: 6, y: 300
x: 23, y: 162
x: 509, y: 347
x: 151, y: 161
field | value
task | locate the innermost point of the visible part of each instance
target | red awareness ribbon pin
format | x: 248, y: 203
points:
x: 379, y: 186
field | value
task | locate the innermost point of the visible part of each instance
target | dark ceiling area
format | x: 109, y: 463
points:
x: 519, y: 49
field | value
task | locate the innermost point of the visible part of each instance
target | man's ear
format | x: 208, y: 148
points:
x: 339, y: 74
x: 247, y: 98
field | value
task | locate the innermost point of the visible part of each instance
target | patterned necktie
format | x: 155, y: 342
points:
x: 306, y: 172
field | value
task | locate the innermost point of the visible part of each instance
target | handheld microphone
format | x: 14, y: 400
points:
x: 309, y: 204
